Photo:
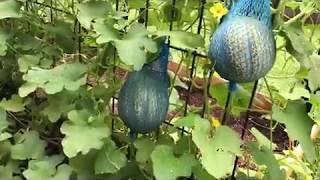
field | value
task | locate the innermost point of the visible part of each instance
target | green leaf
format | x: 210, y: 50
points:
x: 57, y: 105
x: 8, y: 171
x: 5, y: 136
x: 262, y: 140
x: 297, y: 165
x: 27, y: 61
x: 218, y: 155
x: 313, y: 74
x: 4, y: 36
x: 27, y: 42
x: 144, y: 147
x: 168, y: 167
x: 136, y: 4
x: 264, y: 156
x: 183, y: 39
x: 82, y: 136
x: 166, y: 12
x: 131, y: 49
x: 109, y: 159
x: 185, y: 144
x: 200, y: 173
x: 240, y: 98
x: 187, y: 121
x: 64, y: 36
x: 14, y: 104
x: 315, y: 110
x: 297, y: 92
x: 298, y: 44
x: 28, y: 146
x: 65, y: 76
x: 3, y: 125
x: 313, y: 78
x: 64, y: 171
x: 3, y: 120
x: 83, y: 164
x: 298, y: 125
x: 106, y: 32
x: 46, y: 169
x: 5, y: 149
x: 9, y: 9
x: 220, y: 93
x: 92, y: 10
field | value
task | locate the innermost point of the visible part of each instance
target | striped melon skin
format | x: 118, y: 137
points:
x: 143, y: 101
x: 242, y: 49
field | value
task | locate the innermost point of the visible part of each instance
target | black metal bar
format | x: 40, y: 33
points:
x: 181, y: 129
x: 184, y: 50
x: 194, y: 58
x: 243, y: 131
x: 172, y: 14
x: 171, y: 22
x: 51, y: 11
x: 114, y: 77
x: 147, y: 13
x: 27, y: 9
x: 226, y: 108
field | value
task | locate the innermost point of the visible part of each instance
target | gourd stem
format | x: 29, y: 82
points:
x: 232, y: 86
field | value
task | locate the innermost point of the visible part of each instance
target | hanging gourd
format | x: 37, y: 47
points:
x: 242, y: 49
x: 143, y: 99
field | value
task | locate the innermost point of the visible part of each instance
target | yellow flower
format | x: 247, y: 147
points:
x: 218, y: 10
x: 215, y: 122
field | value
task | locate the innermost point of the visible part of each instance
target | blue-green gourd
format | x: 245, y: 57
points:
x: 143, y: 99
x: 242, y: 49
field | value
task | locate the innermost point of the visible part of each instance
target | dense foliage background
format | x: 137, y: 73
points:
x: 62, y: 63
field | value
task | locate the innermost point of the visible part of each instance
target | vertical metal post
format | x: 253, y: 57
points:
x: 114, y: 76
x: 202, y: 3
x: 245, y: 125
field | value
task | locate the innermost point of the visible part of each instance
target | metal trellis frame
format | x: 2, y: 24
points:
x: 195, y: 54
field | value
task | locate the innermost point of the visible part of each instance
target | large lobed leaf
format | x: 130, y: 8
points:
x: 45, y: 168
x: 218, y: 155
x: 28, y: 146
x: 82, y: 135
x: 298, y: 125
x: 131, y: 48
x: 109, y: 159
x: 168, y: 167
x: 92, y: 10
x: 65, y: 76
x: 9, y: 9
x: 264, y: 156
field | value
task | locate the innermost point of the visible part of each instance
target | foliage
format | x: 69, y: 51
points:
x: 59, y: 80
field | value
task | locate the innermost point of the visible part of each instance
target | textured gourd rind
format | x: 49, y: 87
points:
x: 143, y: 101
x: 242, y: 50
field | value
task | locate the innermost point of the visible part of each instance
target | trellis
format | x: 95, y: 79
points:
x: 51, y: 5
